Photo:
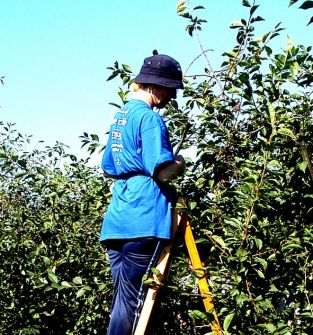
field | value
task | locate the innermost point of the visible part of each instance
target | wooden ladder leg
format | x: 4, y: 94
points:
x: 196, y: 266
x: 163, y: 265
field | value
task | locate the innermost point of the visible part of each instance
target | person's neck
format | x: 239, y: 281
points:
x: 144, y: 96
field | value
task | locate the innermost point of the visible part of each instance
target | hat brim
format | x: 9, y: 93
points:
x: 161, y: 81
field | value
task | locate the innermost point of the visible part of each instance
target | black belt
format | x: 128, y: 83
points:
x: 128, y: 175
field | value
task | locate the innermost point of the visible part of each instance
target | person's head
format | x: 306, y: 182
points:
x: 161, y: 76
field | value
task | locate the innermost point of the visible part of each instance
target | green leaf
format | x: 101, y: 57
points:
x: 263, y: 262
x: 274, y: 163
x: 268, y: 50
x: 200, y: 182
x: 187, y: 16
x: 66, y: 284
x: 258, y: 242
x: 156, y: 271
x: 303, y: 166
x: 46, y: 260
x: 127, y: 68
x: 265, y: 36
x: 286, y: 132
x: 260, y: 274
x: 219, y: 240
x: 126, y: 80
x: 234, y: 90
x: 77, y: 281
x: 227, y: 321
x: 237, y: 24
x: 112, y: 76
x: 292, y: 2
x: 244, y: 77
x: 253, y: 9
x: 148, y: 281
x: 198, y: 7
x: 57, y: 286
x: 233, y: 222
x: 271, y: 111
x: 94, y: 137
x: 291, y: 246
x: 192, y: 204
x: 196, y: 314
x: 22, y: 163
x: 289, y: 43
x: 268, y: 326
x: 307, y: 5
x: 180, y: 7
x: 115, y: 105
x: 246, y: 3
x: 273, y: 288
x: 257, y: 19
x: 53, y: 278
x: 80, y: 292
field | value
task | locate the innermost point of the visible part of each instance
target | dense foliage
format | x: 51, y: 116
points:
x: 54, y: 274
x: 249, y: 197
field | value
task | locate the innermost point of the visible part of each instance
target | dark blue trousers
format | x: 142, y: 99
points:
x: 129, y: 261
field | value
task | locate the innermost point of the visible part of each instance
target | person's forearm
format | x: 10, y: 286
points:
x: 171, y: 170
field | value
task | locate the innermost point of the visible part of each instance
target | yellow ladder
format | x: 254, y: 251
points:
x: 180, y: 220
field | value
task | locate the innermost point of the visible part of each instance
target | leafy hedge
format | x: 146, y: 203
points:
x: 250, y: 202
x: 54, y: 274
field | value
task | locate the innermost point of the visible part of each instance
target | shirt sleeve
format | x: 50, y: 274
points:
x: 156, y: 146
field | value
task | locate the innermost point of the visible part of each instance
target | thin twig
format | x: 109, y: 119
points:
x: 209, y: 64
x: 182, y: 140
x: 185, y: 74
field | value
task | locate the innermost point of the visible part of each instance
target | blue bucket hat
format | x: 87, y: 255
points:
x: 161, y: 70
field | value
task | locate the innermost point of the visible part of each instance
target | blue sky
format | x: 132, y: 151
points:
x: 54, y: 54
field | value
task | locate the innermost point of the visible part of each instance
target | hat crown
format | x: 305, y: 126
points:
x: 162, y: 65
x: 161, y: 70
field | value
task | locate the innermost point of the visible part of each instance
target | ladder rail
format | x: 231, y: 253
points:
x: 180, y: 220
x: 163, y: 266
x: 196, y: 266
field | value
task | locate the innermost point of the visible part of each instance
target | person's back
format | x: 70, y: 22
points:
x: 139, y: 144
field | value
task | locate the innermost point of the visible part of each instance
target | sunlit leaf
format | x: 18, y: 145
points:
x: 286, y: 132
x: 80, y: 292
x: 268, y: 326
x: 53, y: 278
x: 77, y: 281
x: 227, y: 321
x: 303, y: 166
x: 66, y: 284
x: 180, y: 7
x: 219, y: 240
x: 237, y: 24
x: 127, y: 68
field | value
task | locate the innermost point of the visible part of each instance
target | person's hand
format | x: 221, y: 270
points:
x: 181, y: 164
